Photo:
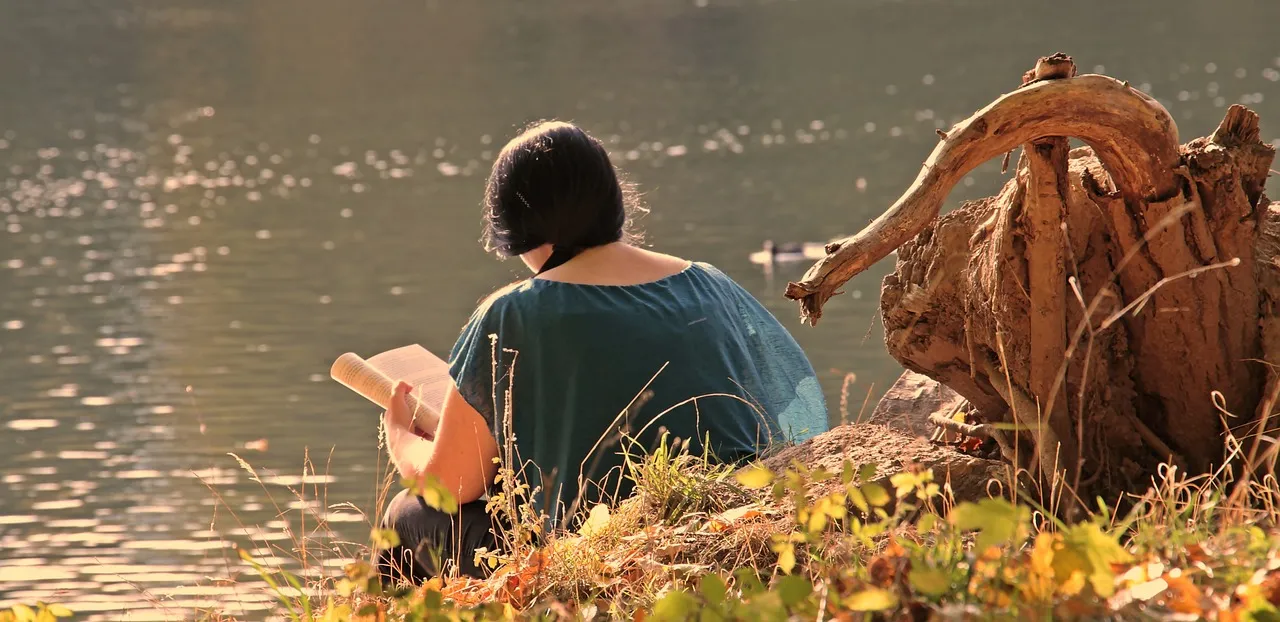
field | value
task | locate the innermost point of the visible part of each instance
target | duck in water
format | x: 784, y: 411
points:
x: 788, y: 252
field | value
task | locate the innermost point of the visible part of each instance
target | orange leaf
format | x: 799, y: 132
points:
x: 893, y: 549
x: 746, y: 512
x: 1270, y: 587
x: 883, y: 570
x: 1184, y: 596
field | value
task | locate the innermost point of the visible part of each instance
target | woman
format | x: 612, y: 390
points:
x: 605, y: 348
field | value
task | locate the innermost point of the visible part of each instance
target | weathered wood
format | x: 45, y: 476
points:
x: 1118, y: 302
x: 1047, y: 189
x: 1133, y: 135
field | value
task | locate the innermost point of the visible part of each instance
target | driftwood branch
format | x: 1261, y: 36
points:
x: 1133, y: 135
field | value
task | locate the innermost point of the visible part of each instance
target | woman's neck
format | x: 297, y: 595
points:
x: 617, y: 263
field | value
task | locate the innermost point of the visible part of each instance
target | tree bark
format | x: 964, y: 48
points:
x: 1117, y: 301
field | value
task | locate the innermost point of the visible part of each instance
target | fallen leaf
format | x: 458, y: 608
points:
x: 746, y: 512
x: 1150, y: 589
x: 670, y: 550
x: 1185, y: 596
x: 596, y: 520
x: 1270, y: 588
x: 881, y: 570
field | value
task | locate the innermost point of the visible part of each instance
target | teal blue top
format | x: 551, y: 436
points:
x: 579, y: 366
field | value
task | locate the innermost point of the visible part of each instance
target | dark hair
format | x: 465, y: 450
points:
x: 554, y: 184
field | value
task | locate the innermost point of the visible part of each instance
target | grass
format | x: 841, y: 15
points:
x: 700, y: 541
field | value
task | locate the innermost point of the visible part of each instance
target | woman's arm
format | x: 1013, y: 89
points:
x: 462, y: 454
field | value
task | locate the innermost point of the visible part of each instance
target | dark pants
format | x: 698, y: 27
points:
x: 431, y: 540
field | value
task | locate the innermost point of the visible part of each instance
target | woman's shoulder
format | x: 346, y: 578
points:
x: 501, y: 301
x: 715, y: 277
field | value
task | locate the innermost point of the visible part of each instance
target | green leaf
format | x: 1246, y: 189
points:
x: 676, y: 605
x: 754, y: 477
x: 929, y: 581
x: 1100, y: 550
x: 433, y: 600
x: 793, y: 589
x: 384, y: 539
x: 927, y: 523
x: 369, y: 609
x: 997, y: 521
x: 867, y: 472
x: 747, y: 581
x: 876, y: 495
x: 713, y: 589
x: 847, y: 475
x: 873, y: 599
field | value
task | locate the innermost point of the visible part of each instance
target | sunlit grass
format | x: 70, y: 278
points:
x: 702, y: 541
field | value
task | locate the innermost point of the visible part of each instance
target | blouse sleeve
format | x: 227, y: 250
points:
x: 475, y: 357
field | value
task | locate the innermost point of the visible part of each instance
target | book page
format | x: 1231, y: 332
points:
x: 375, y: 378
x: 427, y: 373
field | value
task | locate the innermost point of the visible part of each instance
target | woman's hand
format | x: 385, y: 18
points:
x: 400, y: 413
x: 461, y: 454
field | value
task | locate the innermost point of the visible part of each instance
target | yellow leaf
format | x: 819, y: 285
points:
x: 59, y: 611
x: 786, y: 556
x: 24, y: 613
x: 904, y: 483
x: 1094, y: 553
x: 384, y: 539
x: 434, y: 493
x: 596, y: 520
x: 817, y: 522
x: 1073, y: 585
x: 754, y: 477
x: 875, y: 495
x: 858, y: 500
x: 873, y: 599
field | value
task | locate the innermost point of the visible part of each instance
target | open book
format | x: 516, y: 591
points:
x: 375, y: 377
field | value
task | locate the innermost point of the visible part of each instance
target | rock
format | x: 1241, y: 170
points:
x: 909, y: 402
x: 892, y: 450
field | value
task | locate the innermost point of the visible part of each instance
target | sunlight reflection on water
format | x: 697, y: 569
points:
x: 198, y: 209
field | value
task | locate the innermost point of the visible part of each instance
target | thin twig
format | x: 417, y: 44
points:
x: 981, y: 430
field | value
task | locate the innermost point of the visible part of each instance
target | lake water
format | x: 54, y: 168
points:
x: 202, y: 203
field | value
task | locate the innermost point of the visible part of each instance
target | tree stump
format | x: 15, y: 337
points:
x: 1117, y: 302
